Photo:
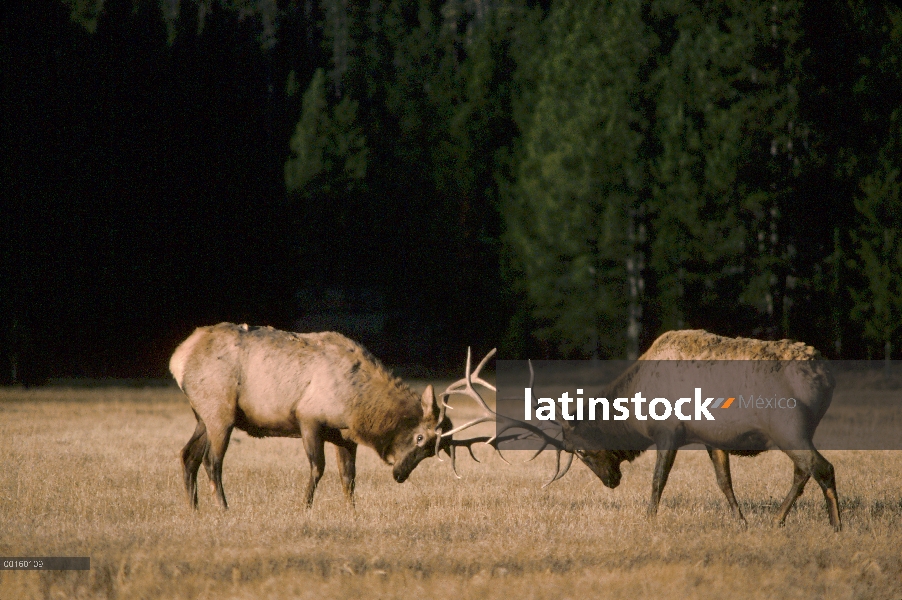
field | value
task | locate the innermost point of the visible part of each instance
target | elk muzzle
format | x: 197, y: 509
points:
x: 603, y: 465
x: 408, y: 463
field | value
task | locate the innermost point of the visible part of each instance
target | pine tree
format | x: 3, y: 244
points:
x: 328, y: 148
x: 325, y: 175
x: 572, y: 212
x: 726, y: 107
x: 878, y: 247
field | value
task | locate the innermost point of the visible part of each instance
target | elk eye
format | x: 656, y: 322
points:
x: 419, y: 438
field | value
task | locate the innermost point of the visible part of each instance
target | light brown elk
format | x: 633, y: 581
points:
x: 321, y: 387
x: 803, y: 375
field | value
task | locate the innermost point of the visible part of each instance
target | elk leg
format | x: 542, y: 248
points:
x: 208, y: 467
x: 810, y: 463
x: 192, y: 455
x: 799, y: 479
x: 721, y: 461
x: 218, y: 443
x: 346, y: 456
x: 663, y: 464
x: 313, y: 445
x: 826, y: 478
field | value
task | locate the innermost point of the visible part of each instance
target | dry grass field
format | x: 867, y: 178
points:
x: 96, y: 473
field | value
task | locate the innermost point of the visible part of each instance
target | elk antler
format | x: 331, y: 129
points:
x: 559, y: 447
x: 465, y: 387
x: 450, y: 446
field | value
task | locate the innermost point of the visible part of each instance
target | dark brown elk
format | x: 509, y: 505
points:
x: 321, y: 387
x: 804, y: 376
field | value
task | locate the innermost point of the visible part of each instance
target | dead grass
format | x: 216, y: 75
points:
x: 96, y: 473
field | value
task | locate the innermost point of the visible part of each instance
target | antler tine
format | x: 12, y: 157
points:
x: 475, y: 378
x: 557, y: 469
x: 465, y: 384
x: 566, y: 466
x: 538, y: 452
x: 452, y: 452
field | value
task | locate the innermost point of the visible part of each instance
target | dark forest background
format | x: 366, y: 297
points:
x: 557, y: 178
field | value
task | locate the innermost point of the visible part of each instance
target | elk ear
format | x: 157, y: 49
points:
x: 430, y: 408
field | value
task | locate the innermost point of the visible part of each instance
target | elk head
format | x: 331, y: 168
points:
x: 421, y: 439
x: 603, y: 462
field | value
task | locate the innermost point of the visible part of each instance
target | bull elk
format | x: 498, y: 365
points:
x: 805, y: 377
x: 321, y: 387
